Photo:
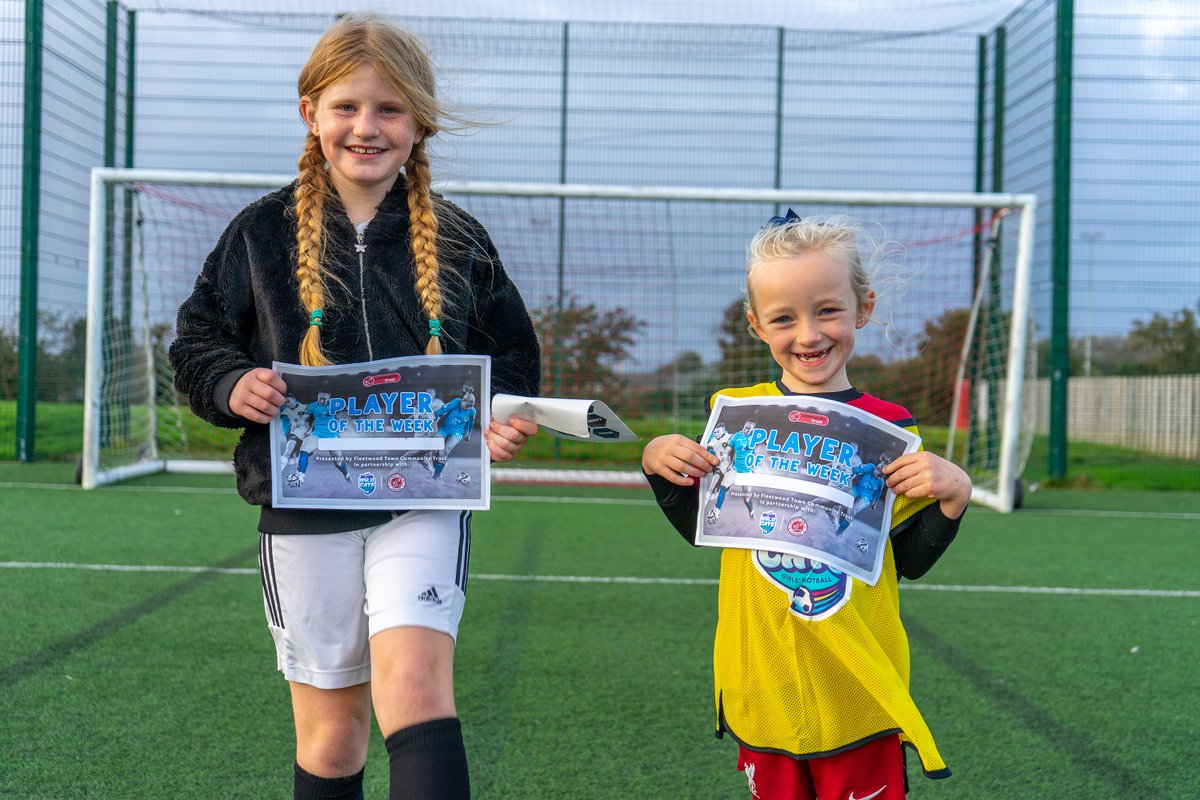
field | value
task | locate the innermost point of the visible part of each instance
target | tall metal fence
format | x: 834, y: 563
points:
x: 648, y: 104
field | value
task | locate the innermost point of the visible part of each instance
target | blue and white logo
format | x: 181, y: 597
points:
x: 366, y: 482
x: 766, y: 522
x: 817, y: 590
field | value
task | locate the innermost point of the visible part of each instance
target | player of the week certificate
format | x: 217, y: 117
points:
x: 800, y: 476
x: 392, y: 434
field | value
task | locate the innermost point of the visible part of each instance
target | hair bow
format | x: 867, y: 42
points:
x: 791, y: 216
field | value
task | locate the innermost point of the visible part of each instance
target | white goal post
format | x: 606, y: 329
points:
x: 665, y: 262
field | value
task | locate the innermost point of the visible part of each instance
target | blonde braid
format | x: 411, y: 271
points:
x: 310, y: 194
x: 423, y: 229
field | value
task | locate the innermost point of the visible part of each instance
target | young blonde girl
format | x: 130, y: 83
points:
x: 818, y: 703
x: 356, y: 261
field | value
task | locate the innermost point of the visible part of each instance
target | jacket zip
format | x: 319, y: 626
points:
x: 361, y: 249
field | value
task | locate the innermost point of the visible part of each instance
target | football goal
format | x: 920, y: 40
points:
x: 637, y: 295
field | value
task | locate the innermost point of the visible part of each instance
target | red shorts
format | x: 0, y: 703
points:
x: 871, y: 771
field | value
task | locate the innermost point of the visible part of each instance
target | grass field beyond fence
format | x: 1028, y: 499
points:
x: 1054, y: 650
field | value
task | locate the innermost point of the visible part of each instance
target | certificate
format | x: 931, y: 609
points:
x: 801, y: 476
x: 398, y: 433
x: 581, y: 420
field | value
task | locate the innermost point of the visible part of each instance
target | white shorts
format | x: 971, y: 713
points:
x: 327, y: 594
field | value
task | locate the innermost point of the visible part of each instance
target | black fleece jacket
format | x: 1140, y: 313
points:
x: 245, y: 312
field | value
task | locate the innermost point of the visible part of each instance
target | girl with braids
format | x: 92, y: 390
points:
x: 356, y: 261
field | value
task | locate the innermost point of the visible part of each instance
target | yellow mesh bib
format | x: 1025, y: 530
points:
x: 812, y: 687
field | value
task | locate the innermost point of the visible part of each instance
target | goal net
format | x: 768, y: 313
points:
x: 637, y: 297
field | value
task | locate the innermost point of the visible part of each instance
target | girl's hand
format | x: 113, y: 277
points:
x: 505, y: 439
x: 926, y: 474
x: 257, y: 395
x: 677, y: 458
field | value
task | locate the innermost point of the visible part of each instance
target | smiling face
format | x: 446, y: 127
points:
x: 806, y: 311
x: 366, y: 134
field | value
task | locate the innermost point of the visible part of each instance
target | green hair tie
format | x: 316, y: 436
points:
x: 315, y: 317
x: 435, y: 327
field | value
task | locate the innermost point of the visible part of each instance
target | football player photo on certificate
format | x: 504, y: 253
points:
x: 802, y: 476
x: 398, y: 433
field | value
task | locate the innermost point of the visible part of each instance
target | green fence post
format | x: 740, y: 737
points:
x: 128, y: 227
x: 31, y: 189
x: 1060, y: 268
x: 980, y: 150
x: 130, y: 65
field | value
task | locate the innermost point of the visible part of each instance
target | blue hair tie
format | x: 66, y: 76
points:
x: 316, y: 317
x: 435, y: 327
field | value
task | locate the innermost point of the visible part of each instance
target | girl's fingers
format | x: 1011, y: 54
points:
x: 509, y: 439
x: 679, y: 478
x: 523, y: 426
x: 505, y: 440
x: 258, y: 395
x: 687, y: 467
x: 678, y: 459
x: 907, y: 486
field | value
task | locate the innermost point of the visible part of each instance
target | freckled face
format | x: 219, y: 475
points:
x: 804, y: 308
x: 366, y: 132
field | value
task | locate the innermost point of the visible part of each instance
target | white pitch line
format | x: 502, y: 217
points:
x: 601, y: 501
x: 1083, y: 512
x: 155, y: 489
x: 126, y: 567
x: 604, y: 501
x: 596, y: 579
x: 625, y: 579
x: 934, y: 587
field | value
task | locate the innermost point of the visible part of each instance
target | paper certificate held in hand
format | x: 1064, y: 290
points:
x: 391, y: 434
x: 585, y: 420
x: 802, y: 476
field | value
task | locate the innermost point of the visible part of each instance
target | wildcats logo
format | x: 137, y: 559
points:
x: 817, y: 590
x: 366, y: 483
x: 766, y: 522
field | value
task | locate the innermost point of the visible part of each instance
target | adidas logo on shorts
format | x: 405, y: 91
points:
x: 430, y: 595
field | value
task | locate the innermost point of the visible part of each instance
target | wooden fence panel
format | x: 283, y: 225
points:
x: 1152, y: 413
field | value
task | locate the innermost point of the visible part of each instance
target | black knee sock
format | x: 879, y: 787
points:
x: 429, y: 762
x: 310, y: 787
